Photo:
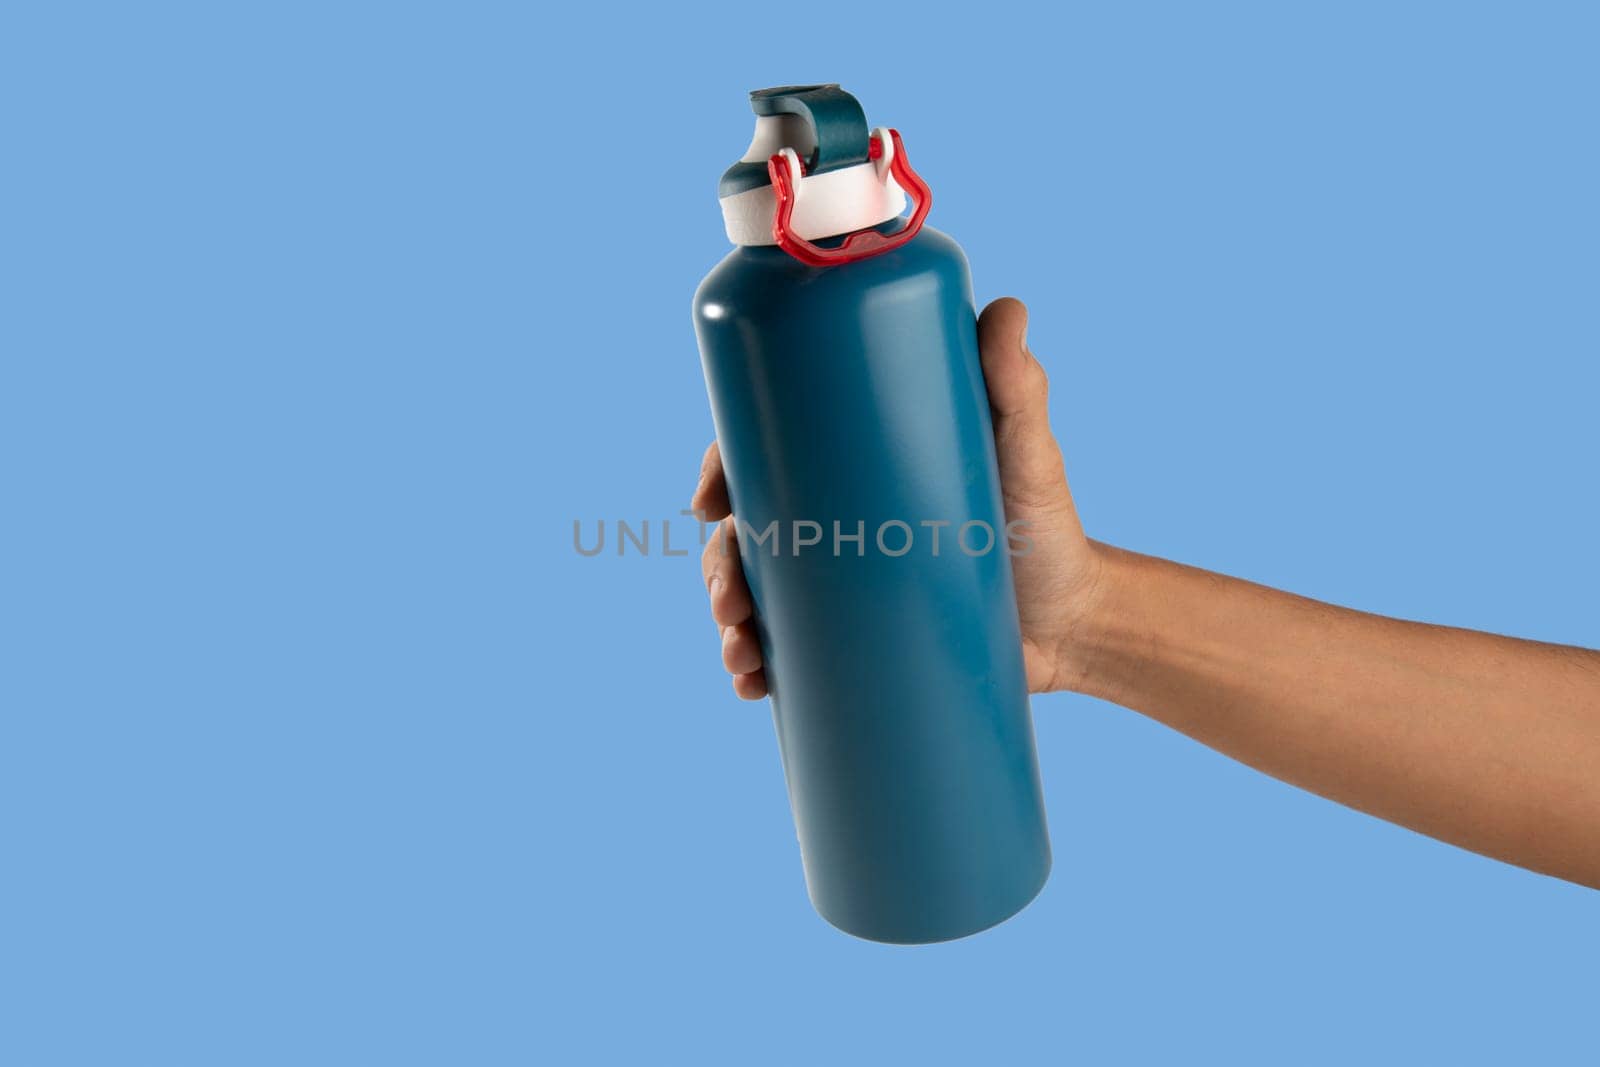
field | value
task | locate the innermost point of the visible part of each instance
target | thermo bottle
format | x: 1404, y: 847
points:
x: 839, y: 343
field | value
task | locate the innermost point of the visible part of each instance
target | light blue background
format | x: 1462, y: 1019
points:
x: 320, y: 326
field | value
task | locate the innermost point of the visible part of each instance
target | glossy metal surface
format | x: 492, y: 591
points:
x: 854, y: 395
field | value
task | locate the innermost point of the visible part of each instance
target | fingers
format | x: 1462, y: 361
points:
x: 711, y: 494
x: 741, y: 651
x: 725, y: 584
x: 1031, y: 472
x: 752, y: 686
x: 733, y: 609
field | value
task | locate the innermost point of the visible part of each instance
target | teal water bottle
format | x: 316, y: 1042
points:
x: 839, y: 343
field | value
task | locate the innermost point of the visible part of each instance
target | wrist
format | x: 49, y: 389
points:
x: 1100, y: 626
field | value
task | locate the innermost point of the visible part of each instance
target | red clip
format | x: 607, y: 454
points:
x: 862, y: 243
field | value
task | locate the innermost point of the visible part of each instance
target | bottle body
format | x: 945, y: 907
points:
x: 855, y: 433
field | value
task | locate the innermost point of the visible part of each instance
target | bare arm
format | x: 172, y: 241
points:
x: 1486, y: 742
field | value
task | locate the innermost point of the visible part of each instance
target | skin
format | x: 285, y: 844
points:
x: 1487, y: 742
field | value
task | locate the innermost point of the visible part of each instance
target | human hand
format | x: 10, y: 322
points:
x: 1480, y: 740
x: 1058, y: 581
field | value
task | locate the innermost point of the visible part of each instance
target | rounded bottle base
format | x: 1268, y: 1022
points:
x: 939, y: 936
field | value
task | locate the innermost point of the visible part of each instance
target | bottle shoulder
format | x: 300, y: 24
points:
x: 754, y: 272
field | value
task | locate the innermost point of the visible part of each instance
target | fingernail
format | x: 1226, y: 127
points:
x: 714, y: 586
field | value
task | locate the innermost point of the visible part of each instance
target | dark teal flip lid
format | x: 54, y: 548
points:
x: 836, y: 121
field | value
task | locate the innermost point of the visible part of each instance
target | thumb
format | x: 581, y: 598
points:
x: 1031, y: 473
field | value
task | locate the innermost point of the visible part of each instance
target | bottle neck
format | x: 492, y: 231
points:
x: 826, y: 205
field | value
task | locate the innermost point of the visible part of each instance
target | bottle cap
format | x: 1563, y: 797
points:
x: 838, y: 179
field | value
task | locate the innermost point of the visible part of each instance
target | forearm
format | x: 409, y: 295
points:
x: 1487, y: 742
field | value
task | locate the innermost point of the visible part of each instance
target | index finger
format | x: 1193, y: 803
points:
x: 711, y: 495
